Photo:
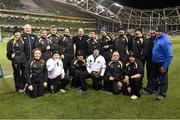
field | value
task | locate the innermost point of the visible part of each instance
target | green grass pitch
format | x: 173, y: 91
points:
x: 102, y: 105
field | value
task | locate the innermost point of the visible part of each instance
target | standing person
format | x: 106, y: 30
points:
x: 114, y: 74
x: 67, y: 50
x: 55, y: 38
x: 16, y: 53
x: 150, y: 88
x: 79, y: 72
x: 37, y: 78
x: 30, y: 41
x: 45, y: 45
x: 96, y: 66
x: 161, y: 58
x: 106, y: 46
x: 121, y: 45
x: 134, y: 72
x: 139, y: 48
x: 57, y: 80
x: 92, y: 42
x: 80, y: 42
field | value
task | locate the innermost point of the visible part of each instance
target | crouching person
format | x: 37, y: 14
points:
x: 37, y: 79
x: 134, y: 73
x: 96, y: 66
x: 56, y: 75
x: 79, y: 72
x: 114, y: 77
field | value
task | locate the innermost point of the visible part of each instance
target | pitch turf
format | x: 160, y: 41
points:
x: 73, y: 104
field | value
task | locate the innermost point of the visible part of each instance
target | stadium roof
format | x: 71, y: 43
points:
x: 149, y: 4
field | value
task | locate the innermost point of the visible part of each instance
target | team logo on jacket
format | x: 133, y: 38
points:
x: 32, y: 38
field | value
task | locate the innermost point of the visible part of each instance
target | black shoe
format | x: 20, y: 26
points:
x: 145, y: 92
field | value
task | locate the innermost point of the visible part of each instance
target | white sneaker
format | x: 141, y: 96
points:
x: 134, y: 97
x: 62, y: 90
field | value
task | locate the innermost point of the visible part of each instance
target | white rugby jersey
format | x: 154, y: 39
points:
x: 96, y: 64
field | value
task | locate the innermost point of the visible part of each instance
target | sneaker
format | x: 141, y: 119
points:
x: 20, y: 91
x: 62, y: 90
x: 160, y: 98
x: 134, y: 97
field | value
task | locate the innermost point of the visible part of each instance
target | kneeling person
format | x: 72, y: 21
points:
x: 56, y: 75
x: 96, y: 66
x: 79, y: 72
x: 37, y: 79
x: 134, y: 72
x: 114, y: 75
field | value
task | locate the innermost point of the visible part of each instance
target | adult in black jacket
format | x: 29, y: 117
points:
x: 106, y: 46
x: 79, y: 72
x: 16, y: 53
x: 134, y: 72
x: 67, y: 50
x: 121, y: 45
x: 55, y: 39
x: 80, y: 42
x: 45, y: 46
x: 92, y: 42
x: 150, y: 84
x: 114, y: 74
x: 30, y: 41
x: 139, y: 47
x: 37, y: 75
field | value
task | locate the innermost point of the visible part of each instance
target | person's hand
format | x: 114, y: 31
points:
x: 13, y: 55
x: 162, y: 70
x: 62, y: 56
x: 48, y: 47
x: 30, y: 88
x: 111, y: 78
x: 126, y: 80
x: 45, y: 84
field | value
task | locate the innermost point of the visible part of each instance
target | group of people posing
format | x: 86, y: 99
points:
x: 52, y: 61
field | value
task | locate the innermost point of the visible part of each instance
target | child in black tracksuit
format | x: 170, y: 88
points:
x: 37, y: 79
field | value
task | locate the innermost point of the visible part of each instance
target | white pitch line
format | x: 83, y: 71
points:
x: 8, y: 76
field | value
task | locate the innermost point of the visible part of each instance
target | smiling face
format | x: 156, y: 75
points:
x: 37, y: 54
x: 56, y: 56
x: 27, y: 29
x: 17, y: 36
x: 158, y: 34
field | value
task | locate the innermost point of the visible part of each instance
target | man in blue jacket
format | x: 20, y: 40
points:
x: 161, y: 58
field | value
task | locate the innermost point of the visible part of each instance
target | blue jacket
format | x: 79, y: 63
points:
x: 162, y: 52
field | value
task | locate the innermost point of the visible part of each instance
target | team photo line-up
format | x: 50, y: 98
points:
x: 50, y: 62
